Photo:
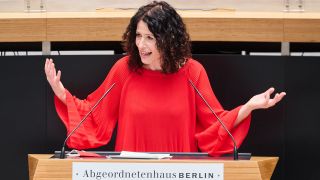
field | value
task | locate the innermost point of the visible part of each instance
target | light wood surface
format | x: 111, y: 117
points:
x: 44, y: 168
x: 299, y: 27
x: 20, y: 27
x: 109, y: 25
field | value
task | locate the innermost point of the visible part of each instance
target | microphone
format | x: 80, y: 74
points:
x: 62, y: 154
x: 235, y: 150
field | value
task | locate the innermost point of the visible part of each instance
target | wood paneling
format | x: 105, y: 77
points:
x: 302, y: 27
x: 109, y: 25
x: 22, y: 27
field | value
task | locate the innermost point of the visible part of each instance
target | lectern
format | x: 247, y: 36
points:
x: 44, y: 167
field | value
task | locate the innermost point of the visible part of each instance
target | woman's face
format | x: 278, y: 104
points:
x: 148, y: 51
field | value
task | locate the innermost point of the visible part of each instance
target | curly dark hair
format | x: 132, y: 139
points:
x: 172, y: 39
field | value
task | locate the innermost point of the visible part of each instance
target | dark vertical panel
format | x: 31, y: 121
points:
x: 303, y: 118
x: 23, y: 122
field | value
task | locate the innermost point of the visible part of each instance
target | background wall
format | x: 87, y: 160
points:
x: 82, y: 5
x: 29, y: 123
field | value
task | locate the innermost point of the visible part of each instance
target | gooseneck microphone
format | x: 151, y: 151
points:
x: 235, y: 150
x: 62, y: 154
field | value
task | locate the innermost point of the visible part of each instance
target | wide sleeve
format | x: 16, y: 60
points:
x: 211, y: 136
x: 97, y: 129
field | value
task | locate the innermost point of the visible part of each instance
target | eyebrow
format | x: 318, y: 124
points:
x: 137, y: 32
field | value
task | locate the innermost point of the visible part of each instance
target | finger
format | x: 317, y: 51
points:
x: 281, y: 95
x: 58, y: 76
x: 273, y: 101
x: 47, y: 65
x: 48, y: 68
x: 268, y: 93
x: 50, y: 71
x: 270, y: 90
x: 50, y: 65
x: 278, y: 97
x: 53, y: 71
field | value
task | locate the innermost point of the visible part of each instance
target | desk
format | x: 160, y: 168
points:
x: 41, y: 166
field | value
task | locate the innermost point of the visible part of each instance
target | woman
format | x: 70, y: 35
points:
x: 153, y: 101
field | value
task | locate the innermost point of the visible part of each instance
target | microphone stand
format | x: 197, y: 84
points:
x: 62, y: 154
x: 235, y: 150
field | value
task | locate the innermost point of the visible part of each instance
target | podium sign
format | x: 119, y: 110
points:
x: 140, y: 171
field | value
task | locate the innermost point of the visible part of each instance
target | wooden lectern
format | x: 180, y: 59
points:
x: 42, y: 166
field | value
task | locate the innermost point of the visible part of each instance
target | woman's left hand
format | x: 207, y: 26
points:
x: 259, y: 101
x: 264, y: 100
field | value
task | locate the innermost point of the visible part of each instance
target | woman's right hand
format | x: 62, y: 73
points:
x: 54, y: 80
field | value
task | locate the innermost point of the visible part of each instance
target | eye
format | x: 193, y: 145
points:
x: 138, y: 35
x: 150, y: 37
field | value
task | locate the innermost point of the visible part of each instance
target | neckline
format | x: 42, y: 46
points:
x: 145, y: 71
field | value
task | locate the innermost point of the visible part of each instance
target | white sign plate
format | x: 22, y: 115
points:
x: 146, y: 171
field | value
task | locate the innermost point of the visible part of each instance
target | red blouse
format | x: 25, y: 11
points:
x: 155, y: 112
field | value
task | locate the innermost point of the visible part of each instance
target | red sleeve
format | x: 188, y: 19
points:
x: 210, y: 134
x: 98, y: 127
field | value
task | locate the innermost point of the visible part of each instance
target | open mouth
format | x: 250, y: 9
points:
x: 145, y: 54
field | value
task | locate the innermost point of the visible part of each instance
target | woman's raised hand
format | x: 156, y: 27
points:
x: 264, y: 100
x: 259, y: 101
x: 53, y: 78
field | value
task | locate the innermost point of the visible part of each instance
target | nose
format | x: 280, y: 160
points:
x: 141, y: 43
